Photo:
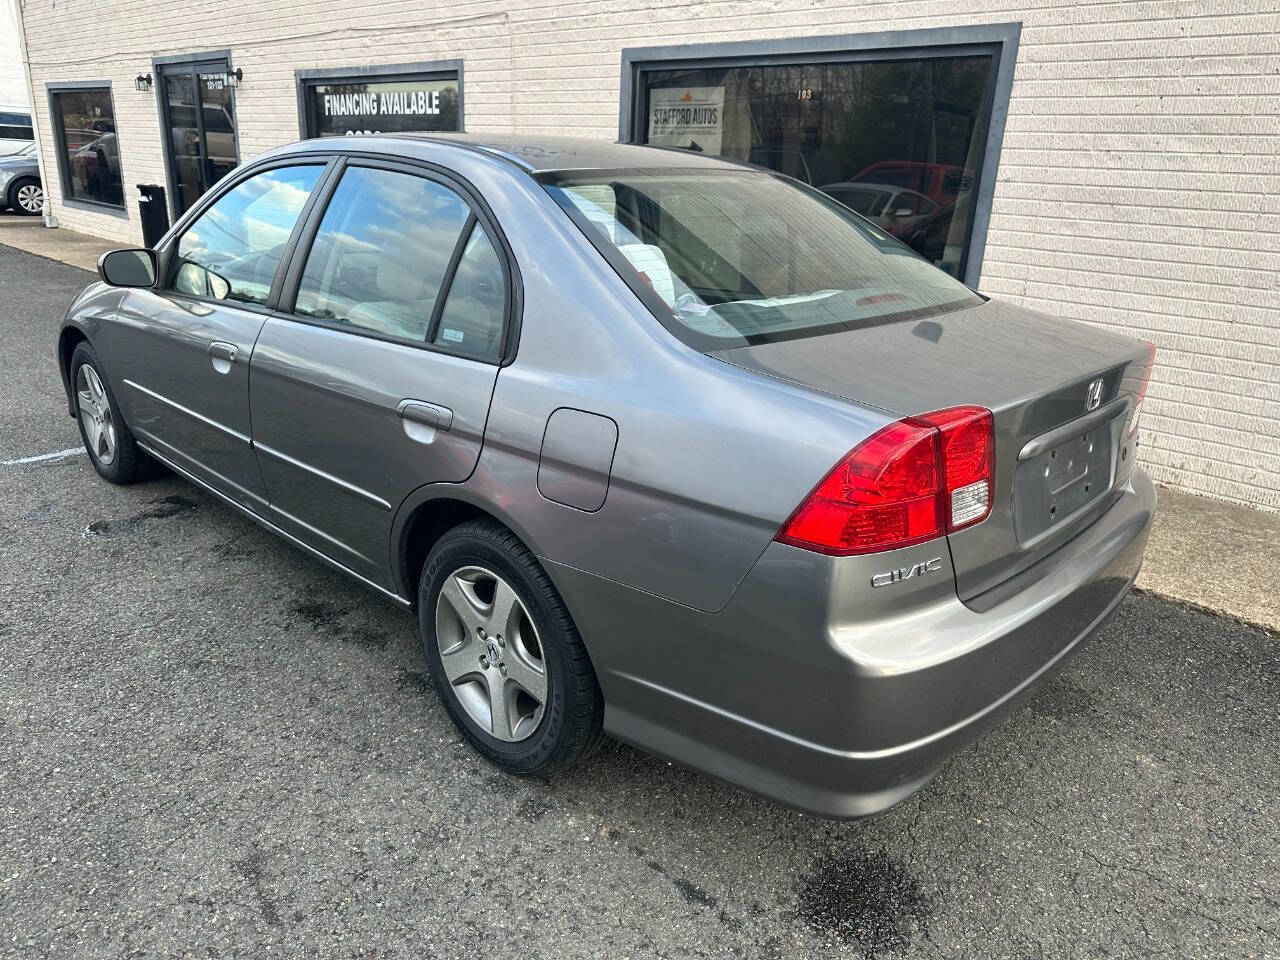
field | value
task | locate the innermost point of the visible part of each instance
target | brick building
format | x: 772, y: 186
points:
x: 1116, y: 163
x: 13, y: 79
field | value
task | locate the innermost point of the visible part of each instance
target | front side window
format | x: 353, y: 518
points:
x: 89, y: 154
x: 742, y: 257
x: 232, y: 250
x: 382, y: 252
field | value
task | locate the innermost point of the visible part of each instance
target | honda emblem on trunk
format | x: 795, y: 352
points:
x: 1094, y: 396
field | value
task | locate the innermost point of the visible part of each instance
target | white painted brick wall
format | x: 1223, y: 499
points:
x: 1139, y: 185
x: 13, y: 79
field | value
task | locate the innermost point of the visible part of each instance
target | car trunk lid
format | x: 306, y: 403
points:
x: 1060, y: 393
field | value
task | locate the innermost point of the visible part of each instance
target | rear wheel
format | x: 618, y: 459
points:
x: 112, y: 448
x: 505, y: 656
x: 27, y: 197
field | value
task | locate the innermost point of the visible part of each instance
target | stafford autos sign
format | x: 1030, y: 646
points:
x: 689, y: 117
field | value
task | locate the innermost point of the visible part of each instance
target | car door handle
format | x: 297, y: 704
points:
x: 418, y: 414
x: 223, y: 355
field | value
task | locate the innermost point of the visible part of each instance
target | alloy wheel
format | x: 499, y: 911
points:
x: 95, y: 415
x: 491, y: 653
x: 31, y: 197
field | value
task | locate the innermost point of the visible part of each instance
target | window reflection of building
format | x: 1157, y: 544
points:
x: 913, y: 130
x: 90, y: 161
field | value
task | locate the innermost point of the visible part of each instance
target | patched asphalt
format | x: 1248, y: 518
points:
x: 212, y: 745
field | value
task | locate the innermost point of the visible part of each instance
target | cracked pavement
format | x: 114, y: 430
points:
x: 212, y: 745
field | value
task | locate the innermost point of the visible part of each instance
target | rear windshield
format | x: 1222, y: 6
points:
x: 726, y: 258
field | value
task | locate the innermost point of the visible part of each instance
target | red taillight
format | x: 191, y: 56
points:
x: 1142, y: 390
x: 900, y: 486
x: 968, y: 462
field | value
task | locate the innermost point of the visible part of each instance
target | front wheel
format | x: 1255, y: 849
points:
x: 112, y: 448
x: 505, y: 656
x: 27, y: 197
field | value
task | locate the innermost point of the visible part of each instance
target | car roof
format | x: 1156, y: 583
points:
x: 539, y: 154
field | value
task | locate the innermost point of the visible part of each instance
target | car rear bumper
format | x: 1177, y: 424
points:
x: 843, y: 705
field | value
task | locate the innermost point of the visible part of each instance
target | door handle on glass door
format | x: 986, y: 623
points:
x: 222, y: 355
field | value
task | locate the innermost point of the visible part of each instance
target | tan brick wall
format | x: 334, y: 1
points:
x: 1139, y: 185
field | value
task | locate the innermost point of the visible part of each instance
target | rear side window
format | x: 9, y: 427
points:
x: 382, y: 252
x: 16, y: 126
x: 232, y: 249
x: 471, y: 321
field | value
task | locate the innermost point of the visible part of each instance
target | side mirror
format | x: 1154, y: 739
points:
x: 128, y: 268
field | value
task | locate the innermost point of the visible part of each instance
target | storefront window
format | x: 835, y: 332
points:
x: 84, y: 123
x: 900, y: 141
x: 340, y: 106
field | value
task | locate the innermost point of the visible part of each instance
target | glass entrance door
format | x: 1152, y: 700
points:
x: 199, y: 115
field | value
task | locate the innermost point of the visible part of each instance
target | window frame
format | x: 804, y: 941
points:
x: 58, y: 125
x: 306, y: 80
x: 997, y: 40
x: 481, y: 216
x: 167, y: 249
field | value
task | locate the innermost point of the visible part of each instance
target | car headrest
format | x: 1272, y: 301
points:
x: 399, y: 277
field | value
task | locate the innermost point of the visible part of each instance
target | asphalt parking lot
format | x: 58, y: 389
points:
x: 212, y: 745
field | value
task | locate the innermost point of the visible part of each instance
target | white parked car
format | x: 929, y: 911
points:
x: 893, y: 208
x: 20, y: 187
x: 15, y: 129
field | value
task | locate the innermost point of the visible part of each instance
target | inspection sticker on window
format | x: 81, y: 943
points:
x: 452, y: 335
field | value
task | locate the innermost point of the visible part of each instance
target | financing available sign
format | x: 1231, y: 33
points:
x: 372, y: 104
x: 689, y: 117
x: 335, y: 107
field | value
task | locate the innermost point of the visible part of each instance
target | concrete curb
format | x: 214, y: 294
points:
x: 66, y: 246
x: 1218, y: 557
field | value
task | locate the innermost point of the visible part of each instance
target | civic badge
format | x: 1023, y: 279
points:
x: 1094, y: 396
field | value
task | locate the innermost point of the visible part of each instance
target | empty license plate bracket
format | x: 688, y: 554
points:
x: 1061, y: 481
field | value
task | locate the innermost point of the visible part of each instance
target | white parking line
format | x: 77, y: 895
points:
x: 56, y: 455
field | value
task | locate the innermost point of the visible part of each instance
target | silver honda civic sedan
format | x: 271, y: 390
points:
x: 654, y: 444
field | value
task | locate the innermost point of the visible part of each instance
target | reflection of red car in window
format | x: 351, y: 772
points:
x: 940, y: 182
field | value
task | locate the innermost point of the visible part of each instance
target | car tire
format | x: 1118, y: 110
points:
x: 114, y: 452
x: 462, y: 594
x: 26, y: 197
